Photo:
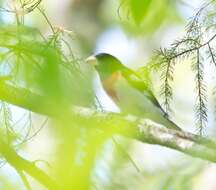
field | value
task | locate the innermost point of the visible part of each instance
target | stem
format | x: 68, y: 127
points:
x: 23, y: 165
x: 193, y: 49
x: 212, y: 54
x: 137, y: 128
x: 24, y: 179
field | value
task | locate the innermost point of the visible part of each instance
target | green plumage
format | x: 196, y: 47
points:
x: 132, y: 94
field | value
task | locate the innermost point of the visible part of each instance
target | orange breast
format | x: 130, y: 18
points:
x: 109, y: 85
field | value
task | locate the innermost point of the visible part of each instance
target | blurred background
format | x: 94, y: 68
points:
x: 132, y: 33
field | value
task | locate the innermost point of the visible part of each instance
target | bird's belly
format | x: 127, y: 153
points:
x: 132, y: 101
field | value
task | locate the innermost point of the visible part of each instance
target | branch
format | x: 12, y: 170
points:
x: 24, y: 179
x: 212, y: 54
x: 198, y: 47
x: 22, y: 165
x: 146, y: 131
x: 134, y: 127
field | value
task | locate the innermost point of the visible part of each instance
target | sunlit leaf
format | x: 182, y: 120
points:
x: 147, y: 16
x: 139, y: 9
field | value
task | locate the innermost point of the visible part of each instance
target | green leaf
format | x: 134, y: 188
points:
x: 139, y: 9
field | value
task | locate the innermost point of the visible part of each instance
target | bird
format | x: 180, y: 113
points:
x: 128, y: 90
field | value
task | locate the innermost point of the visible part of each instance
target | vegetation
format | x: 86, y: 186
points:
x: 55, y: 134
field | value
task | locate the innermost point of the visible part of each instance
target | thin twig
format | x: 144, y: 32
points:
x: 24, y: 179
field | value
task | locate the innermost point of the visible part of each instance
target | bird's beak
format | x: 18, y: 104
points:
x: 92, y: 60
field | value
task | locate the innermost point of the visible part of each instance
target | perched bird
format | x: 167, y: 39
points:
x: 128, y: 90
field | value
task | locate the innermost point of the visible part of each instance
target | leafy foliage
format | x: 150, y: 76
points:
x: 193, y: 47
x: 49, y: 67
x: 139, y: 9
x: 43, y: 65
x: 145, y: 17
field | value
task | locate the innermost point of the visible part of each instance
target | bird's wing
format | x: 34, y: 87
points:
x: 137, y: 82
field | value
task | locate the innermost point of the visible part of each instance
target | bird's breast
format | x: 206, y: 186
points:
x: 109, y: 85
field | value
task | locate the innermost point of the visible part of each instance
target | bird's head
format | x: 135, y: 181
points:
x: 105, y: 64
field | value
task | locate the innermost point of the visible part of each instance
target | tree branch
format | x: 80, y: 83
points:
x: 24, y: 179
x: 22, y: 165
x: 140, y: 129
x: 147, y: 131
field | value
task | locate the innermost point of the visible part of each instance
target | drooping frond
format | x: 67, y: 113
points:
x: 200, y: 36
x: 167, y: 68
x: 201, y: 88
